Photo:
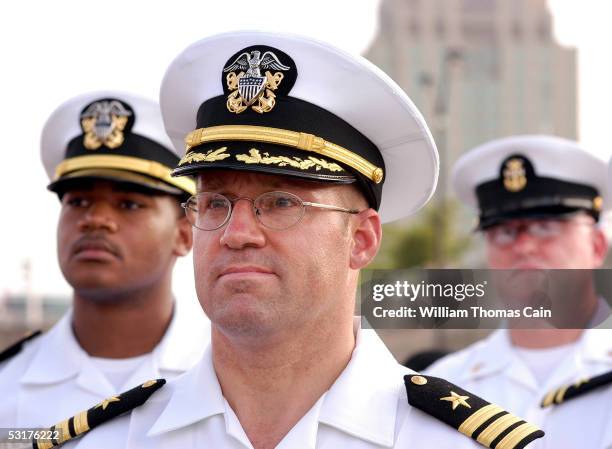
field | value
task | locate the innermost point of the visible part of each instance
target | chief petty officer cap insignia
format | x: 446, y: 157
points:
x: 106, y: 410
x: 16, y: 348
x: 576, y: 389
x: 289, y: 105
x: 114, y: 136
x: 488, y: 424
x: 531, y: 176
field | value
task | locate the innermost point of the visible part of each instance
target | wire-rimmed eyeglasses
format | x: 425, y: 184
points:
x: 505, y: 234
x: 275, y: 210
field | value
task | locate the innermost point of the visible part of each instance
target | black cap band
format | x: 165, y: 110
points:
x: 133, y: 145
x: 519, y: 192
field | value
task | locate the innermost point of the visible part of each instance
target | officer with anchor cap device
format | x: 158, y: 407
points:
x: 582, y: 389
x: 120, y: 231
x: 291, y: 142
x: 539, y: 199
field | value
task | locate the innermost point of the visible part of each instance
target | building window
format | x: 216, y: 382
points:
x: 440, y: 29
x: 476, y: 6
x: 516, y: 30
x: 478, y: 32
x: 414, y: 27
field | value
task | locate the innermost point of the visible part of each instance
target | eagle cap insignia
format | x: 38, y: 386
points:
x: 104, y: 123
x: 514, y: 174
x: 254, y: 76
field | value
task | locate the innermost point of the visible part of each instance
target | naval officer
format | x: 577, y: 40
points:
x: 120, y: 231
x: 539, y: 199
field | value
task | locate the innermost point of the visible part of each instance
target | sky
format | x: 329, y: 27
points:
x: 586, y: 25
x: 54, y: 50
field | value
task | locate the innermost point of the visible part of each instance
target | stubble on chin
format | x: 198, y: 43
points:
x: 243, y: 310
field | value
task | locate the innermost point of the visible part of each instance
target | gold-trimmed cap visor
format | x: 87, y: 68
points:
x: 314, y: 148
x: 262, y: 158
x: 150, y: 174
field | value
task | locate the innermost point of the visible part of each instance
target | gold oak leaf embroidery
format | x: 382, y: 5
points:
x: 210, y: 156
x: 255, y: 157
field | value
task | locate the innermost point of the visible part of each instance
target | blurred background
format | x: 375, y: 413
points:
x: 477, y: 70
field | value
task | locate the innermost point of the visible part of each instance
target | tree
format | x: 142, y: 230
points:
x: 433, y: 241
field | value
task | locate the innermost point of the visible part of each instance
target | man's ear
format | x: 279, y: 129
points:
x: 183, y: 236
x: 366, y: 236
x: 600, y: 246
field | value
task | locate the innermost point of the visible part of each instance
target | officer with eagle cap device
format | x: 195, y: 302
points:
x: 291, y: 141
x: 539, y: 199
x: 120, y: 232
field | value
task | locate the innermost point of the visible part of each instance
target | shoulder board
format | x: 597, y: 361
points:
x: 15, y: 348
x: 577, y: 389
x: 106, y: 410
x: 486, y: 423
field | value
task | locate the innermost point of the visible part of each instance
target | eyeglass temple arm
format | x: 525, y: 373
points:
x: 327, y: 206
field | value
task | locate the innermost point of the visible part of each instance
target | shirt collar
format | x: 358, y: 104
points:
x: 602, y: 313
x: 58, y: 356
x: 362, y: 402
x: 490, y: 357
x: 189, y: 330
x: 196, y: 395
x: 496, y: 353
x: 596, y: 346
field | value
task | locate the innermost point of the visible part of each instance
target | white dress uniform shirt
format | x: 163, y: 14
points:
x: 494, y: 370
x: 53, y: 377
x: 365, y: 408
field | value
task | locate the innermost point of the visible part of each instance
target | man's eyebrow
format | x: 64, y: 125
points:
x: 211, y: 186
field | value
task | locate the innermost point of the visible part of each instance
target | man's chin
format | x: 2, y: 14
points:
x: 243, y: 314
x: 97, y: 288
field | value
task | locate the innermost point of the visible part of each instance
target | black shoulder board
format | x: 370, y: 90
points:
x: 106, y: 410
x: 487, y: 423
x: 17, y: 347
x: 577, y: 389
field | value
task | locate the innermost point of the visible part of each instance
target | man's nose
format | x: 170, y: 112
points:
x: 524, y: 241
x: 99, y: 215
x: 243, y: 229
